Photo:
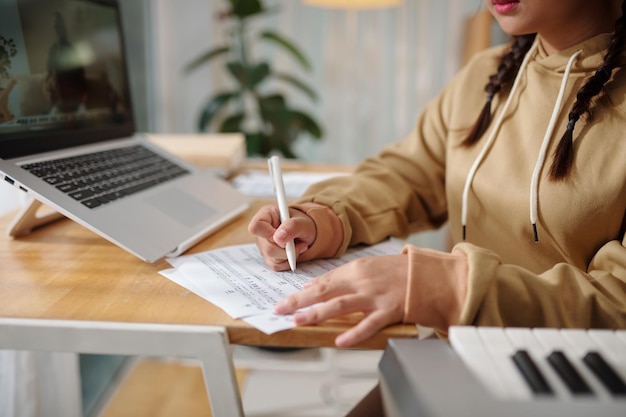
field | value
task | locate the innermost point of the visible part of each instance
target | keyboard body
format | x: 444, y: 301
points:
x: 433, y: 378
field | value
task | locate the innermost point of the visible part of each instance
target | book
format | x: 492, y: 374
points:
x: 224, y: 152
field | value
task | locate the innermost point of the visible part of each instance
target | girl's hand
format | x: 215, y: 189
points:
x: 272, y: 236
x: 375, y: 286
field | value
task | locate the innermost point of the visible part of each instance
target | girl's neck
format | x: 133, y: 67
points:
x: 560, y: 38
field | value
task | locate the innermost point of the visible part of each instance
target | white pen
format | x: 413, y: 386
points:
x: 276, y: 174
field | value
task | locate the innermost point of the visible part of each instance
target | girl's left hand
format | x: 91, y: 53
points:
x: 375, y: 286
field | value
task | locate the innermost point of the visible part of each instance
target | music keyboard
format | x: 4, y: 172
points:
x: 512, y: 371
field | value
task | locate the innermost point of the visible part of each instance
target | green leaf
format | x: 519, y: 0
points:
x: 213, y: 107
x: 298, y: 84
x: 206, y: 57
x: 249, y: 77
x: 232, y: 123
x: 271, y: 102
x: 258, y: 73
x: 288, y: 46
x: 304, y: 122
x: 258, y: 143
x: 245, y: 8
x: 238, y: 71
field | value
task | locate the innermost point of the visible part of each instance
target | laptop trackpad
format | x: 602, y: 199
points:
x: 181, y: 206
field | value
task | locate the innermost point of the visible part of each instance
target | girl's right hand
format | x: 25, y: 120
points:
x: 272, y: 236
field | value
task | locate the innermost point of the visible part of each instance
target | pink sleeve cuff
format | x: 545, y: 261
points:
x: 436, y: 287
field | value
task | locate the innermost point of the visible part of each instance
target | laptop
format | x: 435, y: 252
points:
x: 68, y: 139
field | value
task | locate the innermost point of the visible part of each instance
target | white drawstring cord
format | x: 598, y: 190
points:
x: 491, y: 139
x: 534, y: 183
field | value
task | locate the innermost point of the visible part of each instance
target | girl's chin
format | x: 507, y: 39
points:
x: 513, y: 28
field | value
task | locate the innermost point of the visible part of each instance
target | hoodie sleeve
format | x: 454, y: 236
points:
x: 401, y: 191
x: 563, y: 296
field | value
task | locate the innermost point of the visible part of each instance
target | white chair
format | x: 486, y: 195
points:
x: 207, y: 344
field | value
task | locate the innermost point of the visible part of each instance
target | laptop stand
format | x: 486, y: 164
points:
x: 28, y: 219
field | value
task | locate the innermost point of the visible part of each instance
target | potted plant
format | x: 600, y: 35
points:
x: 265, y: 116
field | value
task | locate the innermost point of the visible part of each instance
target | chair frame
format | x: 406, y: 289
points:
x: 208, y: 344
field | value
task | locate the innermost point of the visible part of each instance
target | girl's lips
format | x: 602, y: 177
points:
x: 504, y: 6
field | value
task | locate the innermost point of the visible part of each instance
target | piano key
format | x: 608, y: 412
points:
x: 605, y: 373
x: 568, y: 373
x: 501, y: 350
x: 588, y: 350
x: 612, y: 348
x: 524, y: 339
x: 554, y: 340
x: 531, y: 373
x: 467, y: 344
x: 621, y: 334
x: 578, y: 341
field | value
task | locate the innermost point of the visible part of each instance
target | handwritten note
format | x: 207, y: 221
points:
x: 236, y: 279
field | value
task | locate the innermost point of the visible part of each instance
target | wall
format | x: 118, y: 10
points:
x: 374, y: 69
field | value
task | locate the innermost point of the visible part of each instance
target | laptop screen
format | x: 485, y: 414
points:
x: 63, y: 78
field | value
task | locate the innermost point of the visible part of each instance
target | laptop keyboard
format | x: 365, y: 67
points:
x: 101, y: 177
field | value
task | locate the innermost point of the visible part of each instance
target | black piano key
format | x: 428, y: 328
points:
x: 568, y: 373
x: 605, y: 373
x: 531, y: 373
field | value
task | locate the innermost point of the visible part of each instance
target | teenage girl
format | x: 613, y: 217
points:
x: 533, y: 188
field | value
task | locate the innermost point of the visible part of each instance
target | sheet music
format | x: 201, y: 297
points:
x: 237, y: 280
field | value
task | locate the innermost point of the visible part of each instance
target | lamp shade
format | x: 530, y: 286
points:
x: 353, y: 4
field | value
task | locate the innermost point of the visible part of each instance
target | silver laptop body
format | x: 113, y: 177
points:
x: 66, y: 94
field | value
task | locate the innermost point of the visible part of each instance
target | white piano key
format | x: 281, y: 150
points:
x: 502, y: 351
x: 523, y: 338
x: 553, y: 339
x: 578, y: 341
x: 621, y: 335
x: 612, y: 347
x: 467, y: 343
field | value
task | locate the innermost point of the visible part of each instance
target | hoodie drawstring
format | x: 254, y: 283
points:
x: 534, y: 184
x: 492, y: 137
x: 542, y: 152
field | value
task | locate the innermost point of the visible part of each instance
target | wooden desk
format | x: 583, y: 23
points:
x: 65, y: 271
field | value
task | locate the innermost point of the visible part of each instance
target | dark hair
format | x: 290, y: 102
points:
x: 507, y: 71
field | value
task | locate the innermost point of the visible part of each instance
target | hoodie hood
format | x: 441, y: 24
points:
x: 590, y: 59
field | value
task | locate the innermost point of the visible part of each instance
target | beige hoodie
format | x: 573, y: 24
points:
x: 575, y: 274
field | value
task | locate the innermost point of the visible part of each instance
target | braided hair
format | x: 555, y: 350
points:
x: 508, y: 69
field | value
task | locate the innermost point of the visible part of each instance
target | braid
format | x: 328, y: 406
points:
x: 507, y: 70
x: 564, y: 153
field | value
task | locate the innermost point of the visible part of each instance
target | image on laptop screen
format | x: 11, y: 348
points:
x: 61, y: 68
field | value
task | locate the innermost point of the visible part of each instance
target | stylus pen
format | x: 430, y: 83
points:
x: 279, y: 188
